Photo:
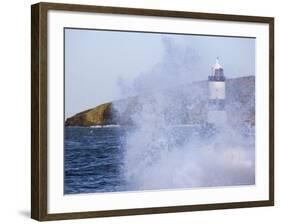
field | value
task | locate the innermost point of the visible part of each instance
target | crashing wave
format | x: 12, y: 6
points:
x: 105, y: 126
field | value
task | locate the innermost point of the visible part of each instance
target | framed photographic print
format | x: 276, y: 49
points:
x: 141, y: 111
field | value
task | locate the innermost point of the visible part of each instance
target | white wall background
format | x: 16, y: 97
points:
x: 15, y: 111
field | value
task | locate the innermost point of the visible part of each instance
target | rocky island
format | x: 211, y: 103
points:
x: 191, y: 100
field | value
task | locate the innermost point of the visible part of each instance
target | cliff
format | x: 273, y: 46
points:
x: 186, y: 104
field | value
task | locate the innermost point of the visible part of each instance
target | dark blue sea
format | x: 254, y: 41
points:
x: 112, y: 158
x: 93, y: 160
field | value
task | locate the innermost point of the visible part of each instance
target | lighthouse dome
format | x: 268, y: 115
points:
x: 217, y: 65
x: 217, y: 69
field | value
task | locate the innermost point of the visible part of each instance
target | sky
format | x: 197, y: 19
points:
x: 101, y: 66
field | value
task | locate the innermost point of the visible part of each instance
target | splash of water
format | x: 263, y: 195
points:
x: 159, y: 156
x: 166, y: 150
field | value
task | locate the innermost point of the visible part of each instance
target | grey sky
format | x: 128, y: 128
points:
x: 101, y: 66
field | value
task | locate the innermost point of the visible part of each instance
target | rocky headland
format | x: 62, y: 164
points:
x: 190, y: 101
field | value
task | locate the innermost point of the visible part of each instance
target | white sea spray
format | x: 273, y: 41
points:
x: 159, y: 155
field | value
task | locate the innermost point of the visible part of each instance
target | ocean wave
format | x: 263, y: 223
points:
x: 105, y: 126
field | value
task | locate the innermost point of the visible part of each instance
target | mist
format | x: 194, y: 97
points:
x: 169, y: 145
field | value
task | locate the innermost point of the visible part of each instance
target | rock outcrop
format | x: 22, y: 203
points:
x: 100, y: 115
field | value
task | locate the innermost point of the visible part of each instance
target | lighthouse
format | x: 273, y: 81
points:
x: 216, y: 82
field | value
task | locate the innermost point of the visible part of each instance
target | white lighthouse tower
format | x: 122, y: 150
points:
x: 217, y: 113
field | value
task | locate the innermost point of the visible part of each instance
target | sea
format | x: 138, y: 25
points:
x: 114, y: 158
x: 93, y: 159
